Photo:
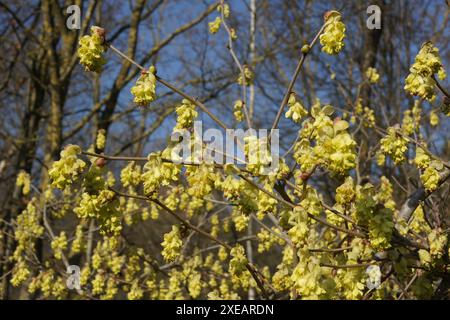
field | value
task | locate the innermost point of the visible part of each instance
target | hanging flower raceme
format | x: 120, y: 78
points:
x: 186, y: 114
x: 238, y: 261
x: 59, y: 244
x: 144, y: 91
x: 296, y: 111
x: 248, y: 76
x: 225, y: 8
x: 430, y: 177
x: 23, y: 182
x: 172, y: 244
x: 345, y: 193
x: 158, y: 173
x: 214, y: 26
x: 91, y: 50
x: 431, y: 169
x: 67, y: 169
x: 238, y: 110
x: 394, y: 145
x: 334, y: 147
x: 372, y: 75
x: 103, y: 207
x: 420, y: 81
x: 332, y: 38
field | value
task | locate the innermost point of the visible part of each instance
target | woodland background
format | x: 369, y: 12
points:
x: 47, y: 100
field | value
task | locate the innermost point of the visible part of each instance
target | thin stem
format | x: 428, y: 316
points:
x: 239, y: 65
x: 441, y: 88
x: 294, y: 78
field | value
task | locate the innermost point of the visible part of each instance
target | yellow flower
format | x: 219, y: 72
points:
x: 238, y: 110
x: 23, y: 180
x: 226, y: 10
x: 430, y: 178
x: 59, y: 244
x: 186, y: 114
x: 372, y: 75
x: 394, y: 145
x: 91, y: 50
x: 345, y: 192
x: 248, y: 75
x: 214, y: 26
x: 332, y: 39
x: 420, y: 80
x: 296, y: 111
x: 67, y: 169
x: 101, y: 139
x: 434, y: 118
x: 172, y: 244
x: 144, y: 91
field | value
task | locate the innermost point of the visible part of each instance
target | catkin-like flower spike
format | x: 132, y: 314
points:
x: 144, y: 91
x: 186, y: 114
x: 237, y: 110
x: 226, y: 10
x: 91, y: 50
x: 172, y: 244
x: 248, y: 75
x: 394, y: 145
x: 332, y: 38
x: 296, y: 111
x: 23, y: 181
x: 214, y: 26
x: 420, y: 81
x: 67, y: 169
x: 372, y: 75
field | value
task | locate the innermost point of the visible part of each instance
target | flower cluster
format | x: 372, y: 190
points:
x: 258, y: 154
x: 186, y: 115
x: 248, y: 76
x: 130, y: 175
x: 91, y: 50
x: 430, y: 177
x: 144, y: 91
x: 59, y: 244
x: 214, y: 26
x: 238, y: 261
x: 345, y: 193
x: 101, y: 139
x: 225, y: 8
x: 332, y: 38
x: 78, y: 241
x: 438, y: 241
x: 431, y: 169
x: 238, y: 110
x: 372, y: 213
x: 420, y: 81
x: 334, y: 147
x: 103, y: 207
x: 172, y: 244
x: 394, y: 145
x: 372, y: 75
x: 158, y: 173
x: 68, y: 168
x: 296, y: 111
x: 23, y: 181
